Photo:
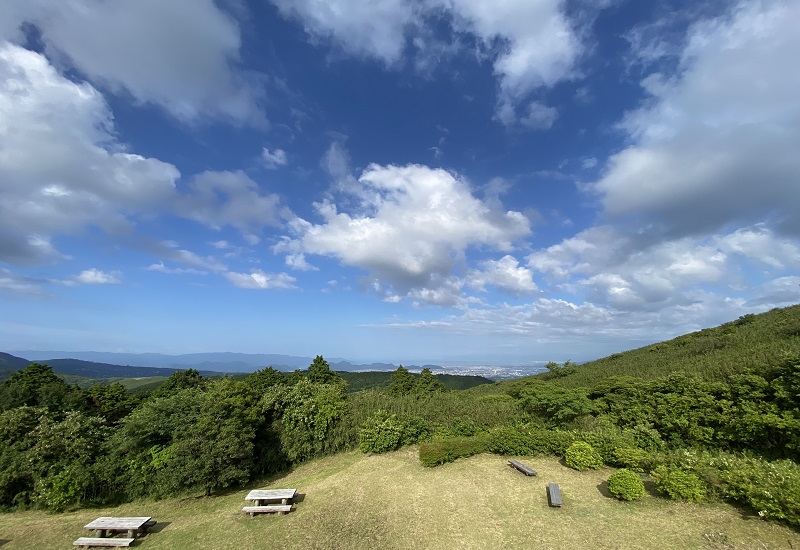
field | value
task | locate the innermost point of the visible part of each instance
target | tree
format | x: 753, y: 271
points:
x: 111, y: 402
x: 402, y: 381
x: 180, y: 380
x: 319, y: 371
x: 216, y: 451
x: 427, y: 383
x: 38, y: 386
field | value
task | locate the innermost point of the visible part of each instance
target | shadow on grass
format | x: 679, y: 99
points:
x: 158, y: 527
x: 651, y: 489
x: 298, y: 498
x: 3, y: 542
x: 603, y: 488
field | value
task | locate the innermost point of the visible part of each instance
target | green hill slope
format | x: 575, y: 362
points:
x: 390, y: 501
x: 752, y: 342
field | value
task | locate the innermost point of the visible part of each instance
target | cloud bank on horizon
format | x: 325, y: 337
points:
x: 397, y: 180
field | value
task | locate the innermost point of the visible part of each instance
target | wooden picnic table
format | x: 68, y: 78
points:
x: 104, y: 525
x: 285, y: 496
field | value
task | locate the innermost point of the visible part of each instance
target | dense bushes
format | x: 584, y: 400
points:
x: 441, y: 451
x: 582, y: 456
x: 384, y: 432
x: 772, y: 489
x: 625, y: 485
x: 678, y: 484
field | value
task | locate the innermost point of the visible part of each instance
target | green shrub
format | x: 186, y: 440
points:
x: 463, y: 428
x: 771, y: 488
x: 679, y: 484
x: 582, y: 456
x: 631, y: 458
x: 381, y: 432
x: 513, y: 441
x: 440, y: 451
x: 415, y: 429
x: 625, y: 485
x: 552, y: 442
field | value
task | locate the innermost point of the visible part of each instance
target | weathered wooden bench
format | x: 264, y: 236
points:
x: 92, y: 542
x: 252, y: 510
x: 554, y: 494
x: 522, y: 468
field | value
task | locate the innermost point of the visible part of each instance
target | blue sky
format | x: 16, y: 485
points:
x: 454, y: 181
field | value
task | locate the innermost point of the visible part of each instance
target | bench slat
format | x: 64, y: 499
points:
x: 554, y: 494
x: 266, y: 509
x: 87, y: 542
x: 522, y: 468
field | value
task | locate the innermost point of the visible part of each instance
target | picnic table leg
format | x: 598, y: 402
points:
x: 283, y: 501
x: 101, y: 533
x: 131, y: 533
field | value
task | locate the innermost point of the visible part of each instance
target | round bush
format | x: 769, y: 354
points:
x: 679, y: 484
x: 582, y: 456
x: 626, y: 485
x: 631, y: 458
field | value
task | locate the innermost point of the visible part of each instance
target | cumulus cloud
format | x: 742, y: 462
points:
x: 217, y: 199
x: 505, y: 274
x: 94, y: 276
x: 539, y: 116
x: 274, y: 159
x: 60, y: 165
x: 160, y: 267
x: 298, y: 262
x: 257, y: 279
x: 716, y: 143
x: 538, y: 46
x: 181, y: 55
x: 412, y: 227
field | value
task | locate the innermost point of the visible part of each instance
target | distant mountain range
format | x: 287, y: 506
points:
x: 94, y: 364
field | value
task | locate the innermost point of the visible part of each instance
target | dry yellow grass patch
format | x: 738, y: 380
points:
x: 391, y: 501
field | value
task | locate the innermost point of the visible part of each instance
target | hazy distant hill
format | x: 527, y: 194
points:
x: 223, y: 362
x: 88, y: 369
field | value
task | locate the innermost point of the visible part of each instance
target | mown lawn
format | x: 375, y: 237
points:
x: 391, y: 501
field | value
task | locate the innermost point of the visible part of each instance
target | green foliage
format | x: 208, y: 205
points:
x: 180, y: 380
x: 679, y: 484
x: 319, y: 372
x: 582, y: 456
x: 631, y: 458
x: 441, y: 451
x: 770, y: 488
x: 381, y: 433
x: 308, y: 413
x: 110, y: 402
x: 555, y: 404
x: 626, y: 485
x: 402, y: 382
x: 512, y: 441
x: 38, y: 386
x: 427, y: 383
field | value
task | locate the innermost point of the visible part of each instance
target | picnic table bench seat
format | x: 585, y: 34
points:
x: 522, y: 468
x: 554, y: 494
x: 93, y: 542
x: 252, y: 510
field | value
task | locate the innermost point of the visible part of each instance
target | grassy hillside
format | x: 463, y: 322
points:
x: 752, y: 342
x: 392, y: 502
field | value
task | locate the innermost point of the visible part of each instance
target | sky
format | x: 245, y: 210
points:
x: 452, y: 181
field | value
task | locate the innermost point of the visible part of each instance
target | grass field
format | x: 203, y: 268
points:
x: 391, y: 501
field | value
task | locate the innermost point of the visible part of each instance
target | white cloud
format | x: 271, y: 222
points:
x: 298, y: 262
x: 717, y: 143
x: 505, y: 274
x: 217, y: 199
x: 412, y: 227
x: 539, y: 116
x: 94, y: 276
x: 257, y: 279
x: 274, y: 159
x: 182, y: 55
x: 532, y: 42
x: 370, y: 29
x: 60, y: 165
x: 160, y: 267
